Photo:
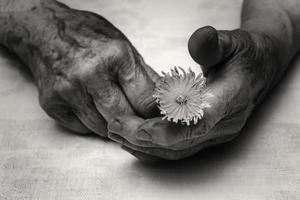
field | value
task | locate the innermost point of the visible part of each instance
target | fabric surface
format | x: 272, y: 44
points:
x: 40, y: 160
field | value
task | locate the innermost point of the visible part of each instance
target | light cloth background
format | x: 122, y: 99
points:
x: 39, y: 160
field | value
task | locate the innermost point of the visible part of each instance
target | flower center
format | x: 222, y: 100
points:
x: 181, y: 100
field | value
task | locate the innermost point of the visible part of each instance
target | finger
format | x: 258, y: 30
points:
x: 119, y: 139
x: 146, y: 153
x: 108, y: 98
x: 138, y: 154
x: 71, y: 121
x: 166, y: 134
x: 138, y: 151
x: 125, y: 127
x: 83, y: 106
x: 168, y: 154
x: 87, y: 113
x: 157, y: 132
x: 137, y: 81
x: 209, y: 47
x: 162, y: 153
x: 63, y: 115
x: 142, y: 156
x: 223, y: 132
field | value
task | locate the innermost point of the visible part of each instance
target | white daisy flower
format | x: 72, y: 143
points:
x: 181, y: 97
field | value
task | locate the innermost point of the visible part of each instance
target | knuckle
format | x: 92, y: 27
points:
x: 63, y: 87
x: 118, y: 48
x: 86, y: 71
x: 120, y: 57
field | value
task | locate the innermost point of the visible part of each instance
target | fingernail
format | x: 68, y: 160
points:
x: 114, y: 125
x: 143, y: 135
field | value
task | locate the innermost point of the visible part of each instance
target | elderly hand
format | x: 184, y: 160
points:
x: 241, y: 68
x: 86, y: 70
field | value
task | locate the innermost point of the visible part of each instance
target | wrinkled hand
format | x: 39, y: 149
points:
x: 92, y: 74
x: 241, y: 68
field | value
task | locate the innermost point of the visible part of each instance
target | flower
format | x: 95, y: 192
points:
x: 181, y: 97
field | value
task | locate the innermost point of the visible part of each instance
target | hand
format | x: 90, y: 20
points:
x: 86, y: 70
x: 104, y: 79
x: 241, y: 68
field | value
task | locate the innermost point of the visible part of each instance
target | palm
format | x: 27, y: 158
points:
x: 238, y: 80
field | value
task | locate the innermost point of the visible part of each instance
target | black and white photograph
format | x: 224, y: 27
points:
x: 149, y: 100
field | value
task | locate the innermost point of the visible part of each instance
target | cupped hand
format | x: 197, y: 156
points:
x: 241, y: 68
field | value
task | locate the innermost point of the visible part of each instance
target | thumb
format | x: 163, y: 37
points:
x: 208, y: 47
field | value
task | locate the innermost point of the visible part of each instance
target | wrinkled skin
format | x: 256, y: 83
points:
x: 86, y: 70
x: 89, y: 74
x: 241, y: 71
